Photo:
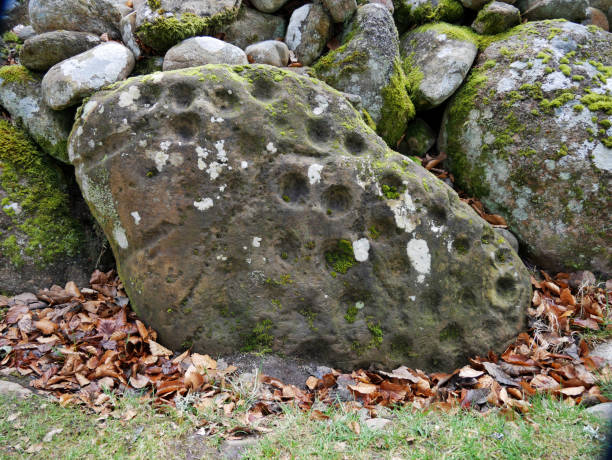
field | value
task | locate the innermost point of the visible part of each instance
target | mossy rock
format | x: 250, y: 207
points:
x: 250, y: 208
x: 409, y: 13
x: 529, y: 134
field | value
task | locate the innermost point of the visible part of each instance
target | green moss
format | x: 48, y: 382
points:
x: 10, y: 37
x: 390, y: 192
x: 397, y: 109
x: 607, y: 141
x: 554, y: 31
x: 578, y: 108
x: 15, y: 74
x: 373, y: 232
x: 460, y: 33
x: 368, y: 119
x: 605, y: 123
x: 351, y: 314
x: 545, y: 55
x: 489, y: 64
x: 154, y: 4
x: 598, y: 102
x: 164, y: 32
x: 377, y: 334
x: 407, y: 15
x: 342, y: 258
x: 260, y: 340
x: 577, y: 77
x: 562, y: 99
x: 490, y: 22
x: 565, y: 70
x: 30, y: 179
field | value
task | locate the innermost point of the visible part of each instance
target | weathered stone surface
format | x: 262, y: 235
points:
x: 603, y: 411
x: 536, y: 10
x: 438, y: 58
x: 94, y: 16
x: 529, y: 133
x: 510, y: 238
x: 413, y: 12
x: 495, y: 18
x: 21, y: 96
x: 605, y: 6
x: 478, y: 4
x: 597, y: 18
x: 368, y: 65
x: 68, y: 82
x: 23, y: 32
x: 251, y: 26
x: 41, y: 241
x: 581, y: 279
x: 270, y: 52
x: 8, y: 388
x: 43, y: 51
x: 127, y: 26
x: 386, y: 3
x: 268, y: 6
x: 308, y: 32
x: 169, y: 22
x: 418, y: 138
x: 199, y: 51
x: 252, y: 208
x: 340, y: 10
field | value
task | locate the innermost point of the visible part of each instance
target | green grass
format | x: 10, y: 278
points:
x: 551, y: 430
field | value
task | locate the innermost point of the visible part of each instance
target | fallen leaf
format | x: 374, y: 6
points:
x: 312, y: 382
x: 157, y: 349
x: 49, y: 436
x: 45, y: 326
x: 355, y: 427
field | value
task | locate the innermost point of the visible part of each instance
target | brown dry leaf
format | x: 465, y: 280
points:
x: 139, y: 381
x: 157, y: 349
x: 228, y: 408
x: 586, y: 323
x: 45, y: 326
x: 572, y: 391
x: 543, y: 382
x: 72, y: 289
x: 312, y: 382
x: 355, y: 427
x: 364, y: 388
x: 552, y: 287
x: 567, y: 298
x: 467, y: 372
x: 203, y: 361
x: 129, y: 415
x: 193, y: 379
x: 495, y: 219
x: 316, y: 414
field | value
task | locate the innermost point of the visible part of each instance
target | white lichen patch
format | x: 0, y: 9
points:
x: 214, y: 119
x: 294, y: 30
x: 202, y: 155
x: 602, y: 157
x: 221, y: 153
x: 136, y: 216
x: 270, y: 148
x: 256, y: 242
x: 120, y: 236
x: 221, y: 257
x: 314, y: 173
x: 244, y: 164
x: 159, y: 158
x: 361, y: 249
x: 322, y: 106
x: 418, y: 254
x: 203, y: 204
x: 403, y: 210
x: 127, y: 98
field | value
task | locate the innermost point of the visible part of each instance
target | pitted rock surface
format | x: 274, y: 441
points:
x: 252, y: 208
x: 530, y: 134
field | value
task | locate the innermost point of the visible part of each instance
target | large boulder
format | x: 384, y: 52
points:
x: 70, y: 81
x: 41, y: 241
x: 367, y: 64
x: 572, y: 10
x: 161, y: 24
x: 530, y: 134
x: 43, y: 51
x: 437, y: 58
x: 252, y: 208
x: 199, y: 51
x: 309, y: 30
x: 21, y: 96
x: 94, y: 16
x: 251, y: 26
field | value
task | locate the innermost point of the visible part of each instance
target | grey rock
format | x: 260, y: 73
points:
x: 478, y: 4
x: 378, y: 424
x: 270, y: 52
x: 605, y: 6
x: 231, y: 173
x: 252, y: 26
x: 366, y: 64
x: 340, y: 10
x: 127, y: 26
x: 415, y: 12
x: 268, y: 6
x: 24, y: 32
x: 581, y: 279
x: 510, y: 238
x: 419, y: 138
x: 198, y: 51
x: 597, y: 18
x: 94, y: 16
x: 12, y: 389
x: 572, y: 10
x: 604, y: 351
x: 47, y: 49
x: 602, y: 411
x: 22, y: 98
x: 519, y: 153
x: 495, y: 18
x: 151, y: 23
x: 69, y: 82
x: 386, y: 3
x: 442, y: 60
x: 308, y: 32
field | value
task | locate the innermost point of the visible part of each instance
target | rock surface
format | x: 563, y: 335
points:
x: 43, y: 51
x: 418, y: 138
x: 8, y: 388
x: 21, y: 96
x: 603, y: 411
x: 270, y: 52
x: 438, y: 57
x: 41, y: 243
x: 597, y: 18
x: 367, y: 64
x: 251, y: 208
x: 495, y: 18
x: 340, y: 10
x: 94, y: 16
x: 170, y: 22
x: 251, y: 26
x: 572, y: 10
x: 68, y: 82
x: 529, y: 133
x: 199, y: 51
x: 308, y: 32
x: 268, y: 6
x: 414, y: 12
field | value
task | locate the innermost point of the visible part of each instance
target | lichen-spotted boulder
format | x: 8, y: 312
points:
x: 250, y: 208
x: 530, y: 134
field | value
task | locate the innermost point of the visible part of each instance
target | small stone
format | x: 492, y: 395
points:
x: 597, y: 18
x: 308, y: 32
x: 25, y: 298
x: 603, y: 350
x: 24, y: 32
x: 198, y: 51
x: 509, y: 237
x: 69, y: 82
x: 386, y: 3
x: 47, y: 49
x: 268, y: 6
x: 13, y: 389
x: 270, y: 52
x: 252, y: 26
x: 340, y: 10
x: 127, y: 26
x: 495, y: 18
x: 603, y: 411
x: 581, y: 279
x: 377, y: 424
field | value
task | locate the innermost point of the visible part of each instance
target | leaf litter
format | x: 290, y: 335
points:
x: 79, y: 344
